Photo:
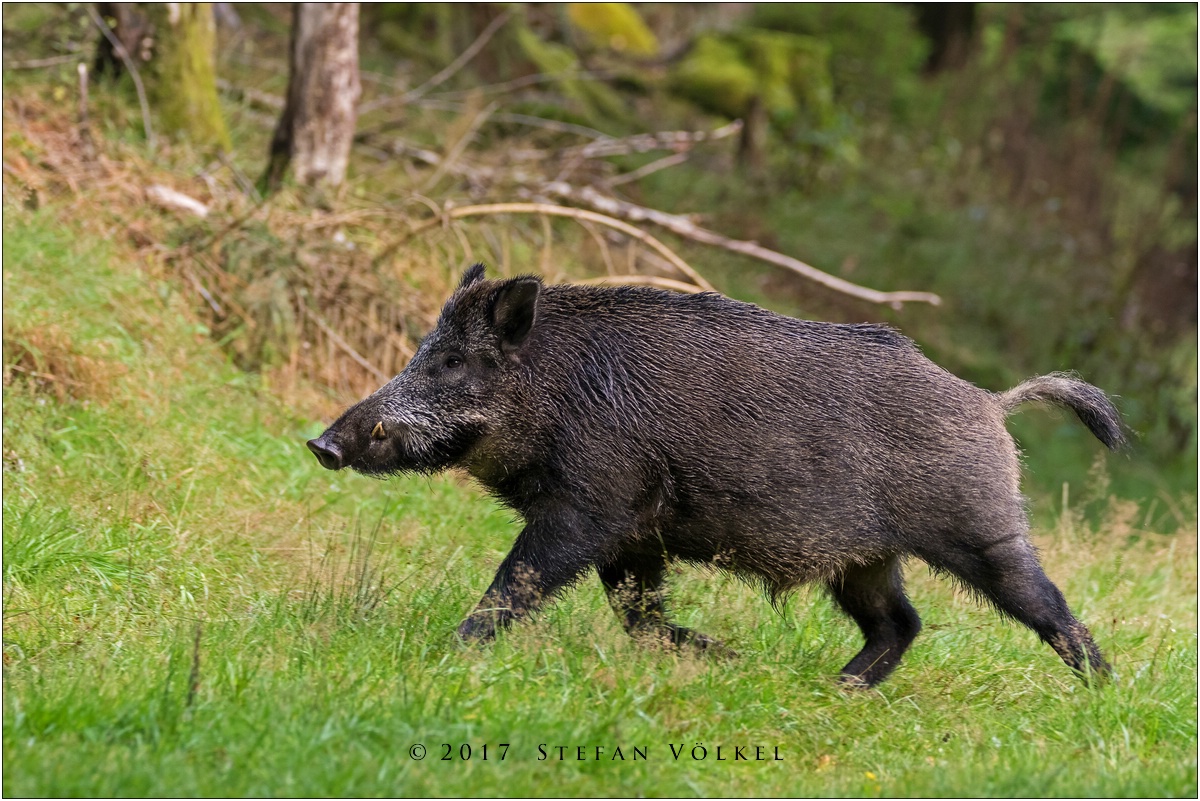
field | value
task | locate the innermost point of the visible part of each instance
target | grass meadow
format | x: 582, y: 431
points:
x: 192, y: 606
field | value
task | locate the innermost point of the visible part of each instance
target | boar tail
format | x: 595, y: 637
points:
x: 1092, y: 406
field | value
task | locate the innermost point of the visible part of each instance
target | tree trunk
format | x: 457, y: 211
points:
x: 950, y: 28
x: 131, y: 29
x: 183, y: 81
x: 316, y: 128
x: 171, y: 45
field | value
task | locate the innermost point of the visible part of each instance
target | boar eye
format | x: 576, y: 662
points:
x: 453, y: 362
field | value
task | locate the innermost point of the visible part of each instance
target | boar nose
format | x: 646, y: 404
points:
x: 328, y: 454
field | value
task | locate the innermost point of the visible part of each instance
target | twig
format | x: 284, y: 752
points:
x: 204, y: 293
x: 464, y: 243
x: 457, y: 150
x: 529, y: 80
x: 599, y: 240
x: 446, y: 73
x: 661, y: 140
x: 252, y: 97
x: 123, y: 54
x: 85, y: 129
x: 552, y: 210
x: 681, y: 226
x: 521, y: 119
x: 336, y: 339
x: 398, y: 147
x: 547, y: 245
x: 243, y: 181
x: 652, y: 167
x: 237, y: 222
x: 644, y: 280
x: 503, y: 116
x: 39, y: 63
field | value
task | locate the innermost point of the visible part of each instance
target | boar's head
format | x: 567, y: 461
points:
x: 450, y: 396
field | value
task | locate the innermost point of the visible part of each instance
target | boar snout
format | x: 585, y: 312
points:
x: 327, y: 453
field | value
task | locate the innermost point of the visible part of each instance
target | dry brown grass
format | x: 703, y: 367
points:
x: 289, y: 288
x: 47, y: 358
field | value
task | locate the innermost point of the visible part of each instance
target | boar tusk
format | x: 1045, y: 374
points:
x: 377, y: 432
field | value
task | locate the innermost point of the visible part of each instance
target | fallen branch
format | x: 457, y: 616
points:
x: 551, y: 210
x: 662, y: 140
x: 169, y: 198
x: 39, y: 63
x: 684, y: 227
x: 647, y: 169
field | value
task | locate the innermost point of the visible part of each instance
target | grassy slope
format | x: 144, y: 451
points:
x: 167, y: 488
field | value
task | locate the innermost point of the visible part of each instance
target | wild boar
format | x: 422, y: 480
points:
x: 630, y: 426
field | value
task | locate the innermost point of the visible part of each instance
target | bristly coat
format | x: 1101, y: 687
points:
x: 629, y: 426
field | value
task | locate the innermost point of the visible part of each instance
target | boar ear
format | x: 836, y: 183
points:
x: 513, y: 311
x: 473, y: 273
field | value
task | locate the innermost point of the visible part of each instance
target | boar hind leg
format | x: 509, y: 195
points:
x: 634, y: 586
x: 1008, y: 574
x: 874, y: 596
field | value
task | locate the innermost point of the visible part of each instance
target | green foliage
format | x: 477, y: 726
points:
x: 614, y: 26
x: 1152, y: 49
x: 875, y: 51
x: 788, y: 74
x: 598, y: 103
x: 714, y: 75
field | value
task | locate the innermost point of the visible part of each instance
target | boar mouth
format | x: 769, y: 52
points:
x: 417, y: 449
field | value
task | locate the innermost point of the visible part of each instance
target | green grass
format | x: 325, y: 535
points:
x: 194, y: 607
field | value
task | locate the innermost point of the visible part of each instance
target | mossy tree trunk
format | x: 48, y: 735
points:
x: 316, y: 129
x: 182, y: 80
x: 172, y: 46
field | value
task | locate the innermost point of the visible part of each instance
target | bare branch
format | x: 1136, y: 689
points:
x: 457, y: 150
x: 445, y: 74
x: 600, y: 243
x: 552, y: 210
x: 39, y: 63
x: 521, y: 119
x: 652, y: 167
x: 530, y: 80
x: 253, y: 97
x: 661, y: 140
x: 681, y: 226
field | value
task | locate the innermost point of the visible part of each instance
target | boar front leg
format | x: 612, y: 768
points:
x: 551, y: 553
